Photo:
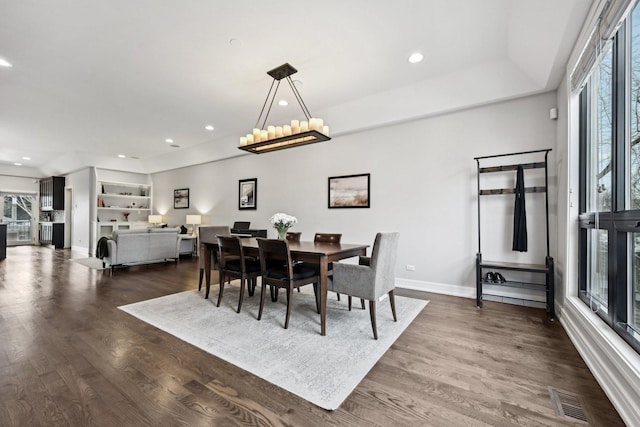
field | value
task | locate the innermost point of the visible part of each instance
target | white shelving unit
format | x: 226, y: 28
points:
x: 116, y: 193
x: 115, y: 198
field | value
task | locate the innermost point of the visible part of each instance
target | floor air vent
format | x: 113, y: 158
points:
x: 567, y: 405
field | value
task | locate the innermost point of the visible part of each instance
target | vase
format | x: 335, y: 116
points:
x: 282, y: 233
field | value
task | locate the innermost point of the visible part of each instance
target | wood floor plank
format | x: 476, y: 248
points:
x: 69, y: 356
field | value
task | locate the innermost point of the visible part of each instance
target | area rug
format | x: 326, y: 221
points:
x: 322, y: 370
x: 94, y: 263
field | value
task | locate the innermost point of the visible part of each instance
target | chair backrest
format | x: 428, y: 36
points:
x: 327, y: 237
x: 209, y: 233
x: 294, y: 236
x: 383, y: 261
x: 241, y: 225
x: 274, y: 253
x: 230, y: 246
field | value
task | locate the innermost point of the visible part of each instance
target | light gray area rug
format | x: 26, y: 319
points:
x: 322, y: 370
x: 94, y: 263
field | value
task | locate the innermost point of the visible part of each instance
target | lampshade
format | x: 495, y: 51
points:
x: 155, y: 219
x: 194, y: 219
x: 300, y: 132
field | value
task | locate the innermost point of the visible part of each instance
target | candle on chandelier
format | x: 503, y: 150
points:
x: 286, y: 130
x: 304, y: 126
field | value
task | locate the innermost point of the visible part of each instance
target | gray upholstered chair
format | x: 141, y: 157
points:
x: 209, y: 233
x: 372, y: 278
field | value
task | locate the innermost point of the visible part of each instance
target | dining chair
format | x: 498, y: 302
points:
x: 371, y: 278
x: 209, y: 233
x: 330, y: 238
x: 294, y: 236
x: 278, y: 271
x: 234, y: 264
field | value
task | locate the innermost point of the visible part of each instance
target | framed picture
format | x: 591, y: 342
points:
x: 248, y: 194
x: 181, y: 198
x: 349, y: 191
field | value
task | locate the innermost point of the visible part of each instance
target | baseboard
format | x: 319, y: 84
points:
x: 82, y: 249
x: 614, y: 364
x: 437, y: 288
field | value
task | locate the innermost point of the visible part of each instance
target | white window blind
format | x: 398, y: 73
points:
x: 613, y: 12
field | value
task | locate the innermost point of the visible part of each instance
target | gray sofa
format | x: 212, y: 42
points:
x: 130, y: 247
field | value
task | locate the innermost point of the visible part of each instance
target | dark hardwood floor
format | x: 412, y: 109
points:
x: 68, y: 356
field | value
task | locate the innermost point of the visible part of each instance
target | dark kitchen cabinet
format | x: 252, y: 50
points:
x: 52, y: 193
x: 52, y: 234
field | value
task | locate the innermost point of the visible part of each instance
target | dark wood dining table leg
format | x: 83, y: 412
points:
x: 207, y: 269
x: 324, y: 267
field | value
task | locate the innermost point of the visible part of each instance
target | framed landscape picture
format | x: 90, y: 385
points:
x: 181, y: 198
x: 248, y: 194
x: 349, y: 191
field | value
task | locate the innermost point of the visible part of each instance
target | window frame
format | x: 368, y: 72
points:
x: 620, y: 223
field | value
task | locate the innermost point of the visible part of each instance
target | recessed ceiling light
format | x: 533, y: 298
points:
x: 416, y: 57
x: 26, y: 158
x: 169, y: 141
x: 122, y: 156
x: 209, y: 127
x: 283, y: 102
x: 17, y: 164
x: 5, y: 63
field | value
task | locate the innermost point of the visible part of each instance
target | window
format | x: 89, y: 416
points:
x: 609, y: 272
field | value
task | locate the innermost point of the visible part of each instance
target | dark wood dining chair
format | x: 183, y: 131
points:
x: 279, y: 271
x: 209, y: 233
x: 330, y: 238
x: 372, y: 278
x: 294, y: 236
x: 234, y: 264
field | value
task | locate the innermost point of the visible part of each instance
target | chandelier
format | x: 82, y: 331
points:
x: 299, y: 132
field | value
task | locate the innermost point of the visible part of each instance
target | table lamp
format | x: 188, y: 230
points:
x: 194, y: 220
x: 155, y: 220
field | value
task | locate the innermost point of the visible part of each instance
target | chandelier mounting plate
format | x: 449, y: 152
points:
x: 279, y: 73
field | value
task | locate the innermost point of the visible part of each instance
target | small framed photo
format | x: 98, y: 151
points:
x: 248, y: 194
x: 349, y: 191
x: 181, y: 198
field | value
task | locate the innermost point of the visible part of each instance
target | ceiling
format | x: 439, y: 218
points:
x: 94, y: 79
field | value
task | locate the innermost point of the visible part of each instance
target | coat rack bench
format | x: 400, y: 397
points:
x: 547, y: 268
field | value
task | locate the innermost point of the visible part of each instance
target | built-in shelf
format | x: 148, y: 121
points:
x: 113, y: 197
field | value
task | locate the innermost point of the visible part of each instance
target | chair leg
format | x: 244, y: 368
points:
x: 242, y: 283
x: 261, y: 300
x: 221, y: 288
x: 251, y: 286
x: 349, y: 299
x: 315, y: 292
x: 392, y: 300
x: 362, y: 303
x: 338, y: 297
x: 372, y: 313
x: 274, y: 293
x: 200, y: 279
x: 289, y: 306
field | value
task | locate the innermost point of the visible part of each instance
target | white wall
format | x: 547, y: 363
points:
x: 80, y: 184
x: 423, y: 184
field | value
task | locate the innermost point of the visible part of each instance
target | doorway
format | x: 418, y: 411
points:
x: 17, y: 213
x: 68, y: 216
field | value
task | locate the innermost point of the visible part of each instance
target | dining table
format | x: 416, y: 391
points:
x: 319, y: 253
